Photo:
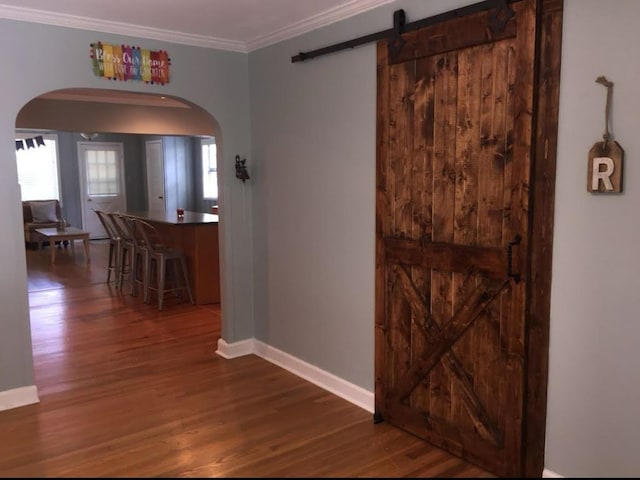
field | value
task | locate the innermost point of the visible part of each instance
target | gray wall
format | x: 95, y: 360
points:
x: 178, y: 173
x: 593, y: 426
x: 183, y: 175
x: 215, y: 80
x: 70, y: 179
x: 313, y: 134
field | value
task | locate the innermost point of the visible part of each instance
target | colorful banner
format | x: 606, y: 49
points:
x: 124, y: 62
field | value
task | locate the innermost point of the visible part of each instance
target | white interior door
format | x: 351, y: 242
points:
x: 155, y: 175
x: 101, y: 183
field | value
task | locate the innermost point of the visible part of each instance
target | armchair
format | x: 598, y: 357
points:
x: 47, y: 213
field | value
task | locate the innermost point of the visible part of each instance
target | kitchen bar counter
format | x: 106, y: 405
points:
x: 197, y: 235
x: 189, y: 218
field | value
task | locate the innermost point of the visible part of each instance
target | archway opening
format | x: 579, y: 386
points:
x: 95, y: 115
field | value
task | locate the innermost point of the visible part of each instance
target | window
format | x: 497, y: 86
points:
x: 38, y: 167
x: 209, y: 169
x: 102, y: 172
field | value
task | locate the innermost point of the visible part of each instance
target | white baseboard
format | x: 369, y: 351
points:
x: 18, y: 397
x: 364, y: 399
x: 336, y: 385
x: 330, y: 382
x: 235, y: 349
x: 549, y: 474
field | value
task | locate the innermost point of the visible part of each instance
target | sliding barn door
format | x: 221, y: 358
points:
x: 455, y: 108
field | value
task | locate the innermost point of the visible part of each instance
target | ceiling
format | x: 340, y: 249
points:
x: 236, y: 25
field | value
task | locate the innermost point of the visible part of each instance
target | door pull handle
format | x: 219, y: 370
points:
x: 516, y: 241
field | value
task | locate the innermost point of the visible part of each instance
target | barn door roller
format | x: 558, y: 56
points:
x: 497, y: 20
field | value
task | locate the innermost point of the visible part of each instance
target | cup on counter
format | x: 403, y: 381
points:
x: 180, y: 212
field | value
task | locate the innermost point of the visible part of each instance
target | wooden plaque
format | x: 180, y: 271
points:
x: 604, y: 174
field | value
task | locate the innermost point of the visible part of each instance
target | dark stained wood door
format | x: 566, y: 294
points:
x: 455, y: 134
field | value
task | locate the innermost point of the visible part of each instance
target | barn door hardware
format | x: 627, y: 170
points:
x: 500, y: 15
x: 397, y: 42
x: 516, y: 241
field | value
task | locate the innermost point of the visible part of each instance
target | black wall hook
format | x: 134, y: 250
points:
x: 241, y: 169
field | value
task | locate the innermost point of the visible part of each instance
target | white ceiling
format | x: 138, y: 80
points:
x: 236, y: 25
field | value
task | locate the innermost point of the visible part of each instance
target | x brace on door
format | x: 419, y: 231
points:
x: 441, y: 339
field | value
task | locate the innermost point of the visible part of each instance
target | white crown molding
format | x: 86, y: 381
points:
x: 328, y: 17
x: 84, y: 23
x: 312, y: 23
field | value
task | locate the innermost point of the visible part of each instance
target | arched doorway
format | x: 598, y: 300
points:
x: 116, y: 112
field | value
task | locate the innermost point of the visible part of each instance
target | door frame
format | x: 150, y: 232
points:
x: 83, y: 174
x: 541, y: 222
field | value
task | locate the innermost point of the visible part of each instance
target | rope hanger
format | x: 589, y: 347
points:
x: 602, y: 80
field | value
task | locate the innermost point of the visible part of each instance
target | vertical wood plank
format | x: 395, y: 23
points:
x: 401, y: 95
x: 444, y: 151
x: 507, y: 148
x: 400, y: 145
x: 421, y: 199
x: 487, y: 367
x: 465, y: 213
x: 515, y: 328
x: 542, y: 222
x: 382, y: 220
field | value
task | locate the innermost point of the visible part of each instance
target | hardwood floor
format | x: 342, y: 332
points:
x: 128, y: 391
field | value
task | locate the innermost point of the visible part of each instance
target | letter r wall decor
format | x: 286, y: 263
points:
x: 604, y: 173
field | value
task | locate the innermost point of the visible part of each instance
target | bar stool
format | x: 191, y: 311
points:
x: 165, y: 268
x: 139, y: 262
x: 127, y: 250
x: 113, y: 265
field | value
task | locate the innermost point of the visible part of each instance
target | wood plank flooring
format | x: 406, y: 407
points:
x: 128, y: 391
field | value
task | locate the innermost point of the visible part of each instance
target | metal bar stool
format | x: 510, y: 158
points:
x: 113, y: 265
x: 127, y: 251
x: 165, y: 267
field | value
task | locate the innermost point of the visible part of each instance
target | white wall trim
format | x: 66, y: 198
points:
x: 118, y: 28
x: 549, y: 474
x: 330, y: 382
x: 235, y: 349
x: 18, y: 397
x: 323, y: 19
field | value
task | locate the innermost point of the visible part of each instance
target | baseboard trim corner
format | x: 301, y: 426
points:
x: 546, y: 473
x: 235, y: 349
x: 328, y: 381
x: 18, y: 397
